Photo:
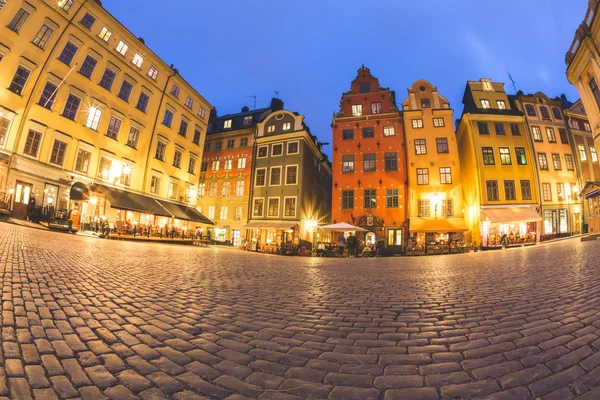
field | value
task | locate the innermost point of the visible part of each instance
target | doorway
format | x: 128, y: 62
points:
x: 235, y: 238
x: 23, y: 194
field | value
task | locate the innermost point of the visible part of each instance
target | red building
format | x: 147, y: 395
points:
x: 369, y: 163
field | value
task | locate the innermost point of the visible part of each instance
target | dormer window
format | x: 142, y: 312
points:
x: 501, y: 104
x: 271, y: 129
x: 365, y: 87
x: 485, y: 103
x: 287, y: 126
x: 227, y: 124
x: 425, y: 103
x: 487, y: 86
x: 248, y: 120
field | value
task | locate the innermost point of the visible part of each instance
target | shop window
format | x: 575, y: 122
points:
x: 394, y: 237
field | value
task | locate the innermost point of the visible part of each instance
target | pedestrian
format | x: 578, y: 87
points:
x: 351, y: 241
x: 341, y: 243
x: 31, y: 209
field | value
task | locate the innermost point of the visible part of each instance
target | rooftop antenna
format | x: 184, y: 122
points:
x: 253, y: 97
x: 277, y: 93
x: 514, y: 84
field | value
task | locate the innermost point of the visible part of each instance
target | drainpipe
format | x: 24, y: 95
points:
x: 252, y: 177
x: 577, y: 168
x: 406, y: 181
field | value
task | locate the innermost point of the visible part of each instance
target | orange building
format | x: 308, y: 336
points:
x: 369, y: 163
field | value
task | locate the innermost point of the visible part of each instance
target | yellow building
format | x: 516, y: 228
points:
x: 555, y: 162
x: 92, y: 121
x: 435, y: 203
x: 496, y: 160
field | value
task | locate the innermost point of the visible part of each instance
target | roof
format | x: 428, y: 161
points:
x: 216, y: 123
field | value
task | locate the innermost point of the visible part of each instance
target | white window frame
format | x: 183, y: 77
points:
x: 122, y: 48
x: 138, y: 60
x: 241, y: 163
x: 266, y: 177
x: 217, y: 163
x: 417, y: 123
x: 288, y: 147
x: 287, y: 126
x: 153, y: 72
x: 211, y: 212
x: 263, y: 209
x: 438, y: 122
x: 243, y: 186
x: 227, y: 124
x: 389, y: 128
x: 105, y: 34
x: 485, y: 104
x: 271, y: 173
x: 93, y: 118
x: 258, y: 152
x: 278, y: 207
x: 295, y: 206
x: 285, y: 177
x: 228, y: 165
x: 226, y: 209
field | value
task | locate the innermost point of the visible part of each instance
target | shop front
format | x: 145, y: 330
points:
x: 503, y: 227
x: 555, y: 223
x: 591, y: 196
x: 437, y: 236
x: 275, y: 237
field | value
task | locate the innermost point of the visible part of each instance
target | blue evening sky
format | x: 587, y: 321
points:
x: 309, y: 50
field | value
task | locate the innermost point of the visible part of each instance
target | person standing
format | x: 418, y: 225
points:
x: 351, y: 241
x: 341, y: 243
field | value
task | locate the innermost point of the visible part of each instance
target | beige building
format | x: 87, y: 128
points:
x: 92, y: 121
x: 435, y: 201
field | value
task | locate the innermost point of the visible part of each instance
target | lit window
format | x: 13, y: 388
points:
x: 155, y: 184
x: 357, y: 110
x: 175, y: 90
x: 66, y: 4
x: 48, y: 95
x: 212, y: 189
x: 501, y: 104
x: 424, y: 208
x: 417, y: 123
x: 228, y: 165
x: 105, y: 34
x: 211, y: 212
x: 422, y: 176
x: 445, y: 175
x: 420, y: 146
x: 485, y: 103
x: 487, y: 86
x: 42, y: 37
x: 505, y: 158
x: 273, y: 210
x: 387, y: 131
x: 551, y: 135
x: 189, y: 102
x: 543, y: 161
x: 438, y: 122
x: 582, y: 154
x: 122, y: 48
x: 241, y: 163
x: 376, y: 108
x: 93, y: 118
x: 348, y: 163
x: 257, y: 209
x: 287, y: 126
x: 173, y: 188
x: 18, y: 20
x: 138, y: 60
x: 215, y: 165
x: 271, y: 128
x: 4, y: 124
x: 223, y: 214
x: 202, y: 112
x: 290, y: 207
x: 594, y: 154
x: 239, y: 188
x: 537, y: 134
x: 153, y: 72
x: 104, y: 168
x: 227, y: 124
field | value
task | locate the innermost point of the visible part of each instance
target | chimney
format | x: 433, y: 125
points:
x: 276, y: 104
x: 245, y: 109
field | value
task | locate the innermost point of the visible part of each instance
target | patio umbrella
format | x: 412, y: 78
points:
x: 342, y: 227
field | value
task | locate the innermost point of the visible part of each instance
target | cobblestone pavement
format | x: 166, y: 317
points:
x: 91, y: 318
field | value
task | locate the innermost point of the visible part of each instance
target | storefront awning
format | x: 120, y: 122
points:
x: 270, y: 225
x: 79, y: 191
x: 183, y: 212
x: 173, y: 210
x: 510, y: 215
x: 129, y: 201
x: 437, y: 225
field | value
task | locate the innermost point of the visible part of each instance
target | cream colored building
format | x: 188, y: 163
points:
x: 87, y: 109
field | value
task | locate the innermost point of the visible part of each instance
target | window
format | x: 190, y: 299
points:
x: 263, y: 151
x: 485, y: 103
x: 66, y: 56
x: 547, y: 191
x: 391, y: 161
x: 376, y: 108
x: 291, y: 175
x: 88, y: 66
x: 368, y: 132
x: 530, y: 110
x: 18, y: 20
x: 153, y: 72
x: 492, y: 190
x: 348, y: 134
x: 501, y: 104
x: 211, y: 212
x: 4, y: 124
x: 244, y: 142
x: 595, y: 91
x: 19, y: 81
x: 514, y: 129
x: 161, y: 148
x: 42, y: 37
x: 544, y: 112
x: 138, y: 60
x: 241, y: 163
x: 556, y: 162
x: 438, y: 122
x: 292, y: 148
x: 560, y: 190
x: 356, y: 110
x: 247, y: 120
x: 66, y: 4
x: 287, y: 126
x: 202, y: 112
x: 509, y: 190
x: 365, y: 87
x: 239, y: 188
x: 134, y: 137
x: 125, y: 91
x: 177, y: 159
x: 58, y: 152
x: 226, y: 189
x: 582, y: 154
x: 107, y: 79
x: 114, y: 126
x: 389, y: 130
x: 142, y: 103
x: 551, y: 135
x: 204, y: 166
x: 183, y: 127
x: 537, y: 134
x: 442, y: 145
x: 175, y: 90
x: 155, y: 185
x: 277, y: 150
x: 422, y: 176
x: 424, y: 208
x: 520, y: 154
x: 290, y: 207
x: 392, y: 198
x: 189, y: 102
x: 348, y: 163
x: 48, y: 95
x: 417, y: 123
x: 420, y: 146
x: 425, y: 103
x: 586, y: 127
x: 223, y: 214
x: 122, y: 48
x: 173, y: 193
x: 487, y: 86
x: 347, y: 198
x: 93, y: 118
x: 557, y: 113
x: 227, y: 124
x: 88, y: 20
x: 82, y: 162
x: 574, y: 123
x: 275, y: 176
x: 218, y: 145
x: 483, y: 128
x: 261, y: 175
x: 105, y: 34
x: 230, y: 143
x: 574, y: 194
x: 257, y: 209
x: 125, y: 178
x: 271, y: 128
x: 569, y: 162
x: 369, y: 162
x: 445, y: 175
x: 228, y: 165
x: 542, y: 161
x: 370, y: 198
x: 594, y: 154
x: 273, y: 207
x: 564, y: 138
x: 488, y: 156
x: 71, y: 107
x: 104, y: 168
x: 215, y: 165
x: 212, y: 189
x: 505, y: 156
x: 447, y: 208
x: 499, y: 127
x: 33, y: 143
x: 168, y: 118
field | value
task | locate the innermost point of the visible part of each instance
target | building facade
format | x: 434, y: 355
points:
x: 226, y: 171
x: 435, y: 204
x: 85, y: 104
x: 291, y: 184
x: 556, y: 172
x: 496, y: 158
x: 369, y: 163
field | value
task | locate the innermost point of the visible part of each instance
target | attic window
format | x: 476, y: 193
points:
x: 248, y: 120
x: 227, y: 124
x: 365, y: 87
x: 422, y: 88
x: 279, y: 116
x: 487, y: 86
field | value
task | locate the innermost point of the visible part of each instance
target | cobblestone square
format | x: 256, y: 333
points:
x: 93, y: 319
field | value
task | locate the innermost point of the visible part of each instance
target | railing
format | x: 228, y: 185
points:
x: 582, y: 31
